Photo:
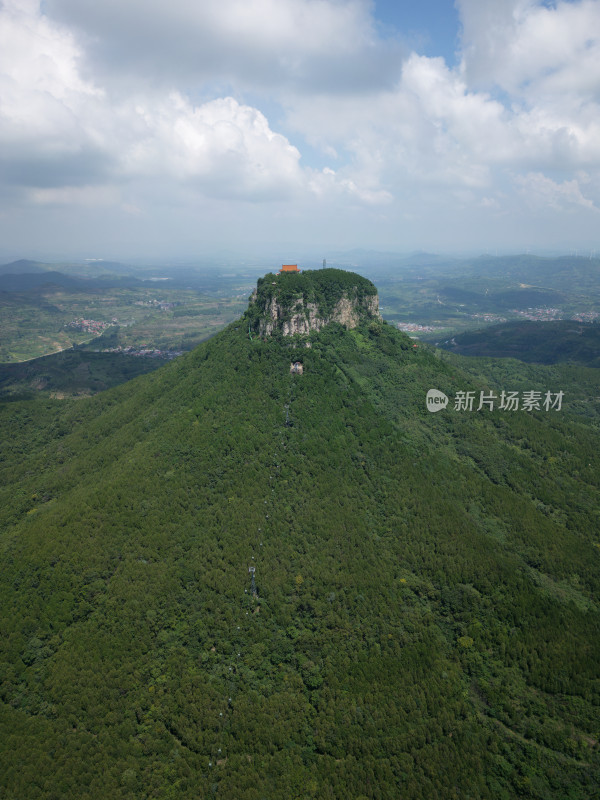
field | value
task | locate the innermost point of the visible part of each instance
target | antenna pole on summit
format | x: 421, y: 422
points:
x: 252, y: 570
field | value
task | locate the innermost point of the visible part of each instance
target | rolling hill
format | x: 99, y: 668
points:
x: 536, y: 342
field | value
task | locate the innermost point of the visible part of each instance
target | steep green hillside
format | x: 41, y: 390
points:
x: 427, y: 622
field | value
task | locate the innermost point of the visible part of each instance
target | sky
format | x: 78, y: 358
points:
x: 140, y: 128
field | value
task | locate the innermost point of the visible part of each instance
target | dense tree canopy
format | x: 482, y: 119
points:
x: 426, y: 624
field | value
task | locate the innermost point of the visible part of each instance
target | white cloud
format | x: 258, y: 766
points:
x: 429, y: 129
x: 132, y: 104
x: 547, y: 60
x: 305, y: 44
x: 58, y: 130
x: 48, y: 114
x: 540, y: 191
x: 532, y: 50
x: 439, y: 126
x: 221, y: 147
x: 328, y: 184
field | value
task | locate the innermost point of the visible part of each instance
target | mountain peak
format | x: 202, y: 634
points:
x: 298, y: 303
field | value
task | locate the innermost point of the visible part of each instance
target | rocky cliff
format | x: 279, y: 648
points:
x: 301, y: 303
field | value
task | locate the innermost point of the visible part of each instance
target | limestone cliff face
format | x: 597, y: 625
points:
x: 279, y: 309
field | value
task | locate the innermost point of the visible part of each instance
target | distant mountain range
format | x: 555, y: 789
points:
x: 79, y: 267
x: 30, y: 277
x: 23, y: 266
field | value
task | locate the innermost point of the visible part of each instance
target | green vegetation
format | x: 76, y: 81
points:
x: 431, y: 297
x: 427, y: 621
x: 537, y: 342
x: 71, y: 373
x: 38, y: 323
x: 322, y: 288
x: 449, y: 298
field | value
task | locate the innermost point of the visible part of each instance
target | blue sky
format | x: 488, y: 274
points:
x: 139, y: 128
x: 431, y: 26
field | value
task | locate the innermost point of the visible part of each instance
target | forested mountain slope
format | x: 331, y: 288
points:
x: 537, y: 342
x: 427, y: 621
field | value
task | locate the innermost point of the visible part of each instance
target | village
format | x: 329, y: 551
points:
x: 89, y: 325
x: 538, y: 314
x: 146, y: 352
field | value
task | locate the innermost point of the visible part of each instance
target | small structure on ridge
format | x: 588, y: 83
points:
x: 252, y: 570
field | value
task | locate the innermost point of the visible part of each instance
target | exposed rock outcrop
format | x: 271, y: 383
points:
x: 310, y: 302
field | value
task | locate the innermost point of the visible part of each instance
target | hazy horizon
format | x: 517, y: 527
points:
x: 305, y: 259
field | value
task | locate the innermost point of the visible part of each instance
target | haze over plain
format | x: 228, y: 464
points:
x: 144, y: 128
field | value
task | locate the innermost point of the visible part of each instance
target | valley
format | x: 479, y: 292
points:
x: 436, y: 301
